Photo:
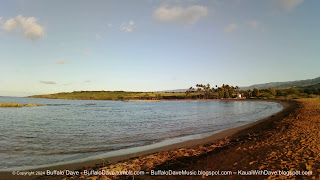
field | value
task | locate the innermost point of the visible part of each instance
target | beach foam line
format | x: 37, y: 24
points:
x: 120, y: 152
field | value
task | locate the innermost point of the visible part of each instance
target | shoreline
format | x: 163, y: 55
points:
x: 158, y: 100
x: 288, y: 106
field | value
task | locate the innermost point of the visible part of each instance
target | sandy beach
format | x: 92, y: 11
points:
x: 182, y: 155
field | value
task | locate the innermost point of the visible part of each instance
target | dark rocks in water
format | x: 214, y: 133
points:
x: 91, y: 104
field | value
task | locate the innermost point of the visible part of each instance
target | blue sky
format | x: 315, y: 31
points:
x: 149, y: 45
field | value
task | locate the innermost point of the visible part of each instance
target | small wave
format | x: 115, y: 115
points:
x: 26, y: 136
x: 52, y: 153
x: 58, y: 104
x: 112, y: 147
x: 240, y: 122
x: 92, y: 104
x: 89, y: 150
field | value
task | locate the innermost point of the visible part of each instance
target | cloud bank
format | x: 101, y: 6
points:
x: 254, y: 24
x: 86, y: 53
x: 48, y: 82
x: 26, y: 25
x: 62, y: 62
x: 230, y: 27
x: 127, y: 27
x: 288, y: 5
x: 189, y: 15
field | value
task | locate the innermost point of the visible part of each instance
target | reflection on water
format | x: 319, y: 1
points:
x: 66, y: 130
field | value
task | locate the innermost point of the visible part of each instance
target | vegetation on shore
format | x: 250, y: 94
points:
x: 11, y: 105
x: 112, y: 95
x: 225, y: 91
x: 30, y: 105
x: 199, y: 92
x: 18, y: 105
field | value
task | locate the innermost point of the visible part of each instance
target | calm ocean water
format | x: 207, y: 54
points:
x: 67, y: 130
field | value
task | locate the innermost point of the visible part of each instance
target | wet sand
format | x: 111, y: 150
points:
x: 227, y: 135
x: 287, y: 142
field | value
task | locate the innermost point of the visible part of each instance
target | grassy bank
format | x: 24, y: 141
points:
x: 30, y: 105
x: 18, y: 105
x: 112, y: 95
x: 11, y: 105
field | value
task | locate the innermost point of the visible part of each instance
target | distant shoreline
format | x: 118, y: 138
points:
x: 233, y: 132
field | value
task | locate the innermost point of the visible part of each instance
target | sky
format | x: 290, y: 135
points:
x: 150, y: 45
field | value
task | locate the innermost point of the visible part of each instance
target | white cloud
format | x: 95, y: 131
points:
x: 128, y: 27
x: 26, y: 25
x: 86, y: 53
x: 98, y: 36
x: 62, y: 62
x: 109, y: 25
x: 48, y: 82
x: 11, y: 25
x: 254, y: 24
x: 230, y: 27
x: 189, y: 15
x: 288, y: 5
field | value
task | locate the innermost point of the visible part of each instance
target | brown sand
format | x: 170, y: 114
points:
x: 290, y: 143
x: 177, y: 158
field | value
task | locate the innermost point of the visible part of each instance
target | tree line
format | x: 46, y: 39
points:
x: 201, y: 91
x: 207, y: 92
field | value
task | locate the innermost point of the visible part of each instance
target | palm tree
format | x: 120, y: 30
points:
x: 188, y: 92
x: 212, y: 90
x: 231, y: 91
x: 206, y: 89
x: 220, y: 92
x: 237, y: 90
x: 199, y: 91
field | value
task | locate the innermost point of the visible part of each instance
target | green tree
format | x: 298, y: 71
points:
x: 158, y: 97
x: 248, y: 93
x: 231, y: 90
x: 315, y: 91
x: 206, y: 91
x: 255, y: 92
x: 279, y: 92
x: 272, y: 91
x: 199, y: 89
x: 146, y: 96
x: 292, y: 91
x: 188, y: 92
x: 221, y: 92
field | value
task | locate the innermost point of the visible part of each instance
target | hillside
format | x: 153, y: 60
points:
x: 111, y: 95
x: 305, y: 84
x: 173, y: 91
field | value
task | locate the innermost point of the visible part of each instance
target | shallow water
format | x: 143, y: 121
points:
x: 67, y: 130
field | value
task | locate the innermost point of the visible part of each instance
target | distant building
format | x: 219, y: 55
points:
x: 240, y: 96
